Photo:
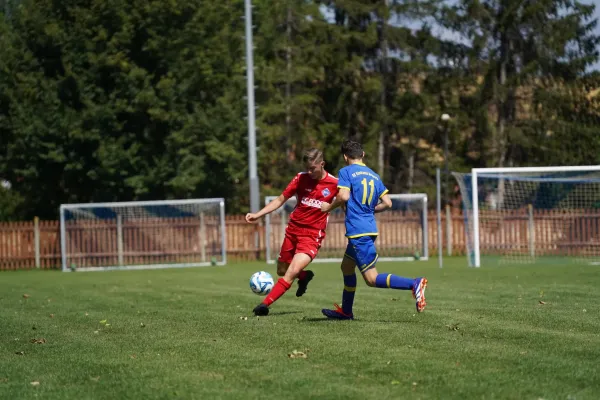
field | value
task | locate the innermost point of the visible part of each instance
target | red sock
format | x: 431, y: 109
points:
x: 302, y: 275
x: 278, y: 290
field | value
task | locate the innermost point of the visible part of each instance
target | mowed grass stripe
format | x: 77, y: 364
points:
x: 184, y: 334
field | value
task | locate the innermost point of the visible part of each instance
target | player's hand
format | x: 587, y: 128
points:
x: 325, y: 207
x: 250, y: 218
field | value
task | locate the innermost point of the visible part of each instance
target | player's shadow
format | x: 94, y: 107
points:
x: 285, y: 313
x: 322, y: 319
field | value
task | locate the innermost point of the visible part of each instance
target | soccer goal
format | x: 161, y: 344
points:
x: 143, y: 234
x: 402, y: 230
x: 524, y: 215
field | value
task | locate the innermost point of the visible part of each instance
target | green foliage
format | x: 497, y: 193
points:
x: 120, y: 100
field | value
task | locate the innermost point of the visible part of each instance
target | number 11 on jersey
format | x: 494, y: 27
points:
x: 370, y: 185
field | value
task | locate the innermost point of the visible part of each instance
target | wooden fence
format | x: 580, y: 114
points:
x: 36, y: 244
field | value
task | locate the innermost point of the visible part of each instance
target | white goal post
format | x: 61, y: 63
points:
x: 143, y: 234
x: 522, y: 214
x: 403, y: 230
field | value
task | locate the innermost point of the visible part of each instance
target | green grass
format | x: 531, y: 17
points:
x: 484, y: 335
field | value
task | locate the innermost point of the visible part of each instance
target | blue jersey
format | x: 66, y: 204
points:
x: 366, y: 189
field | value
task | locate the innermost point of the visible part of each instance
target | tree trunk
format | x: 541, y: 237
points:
x: 384, y: 73
x: 288, y: 83
x: 411, y: 171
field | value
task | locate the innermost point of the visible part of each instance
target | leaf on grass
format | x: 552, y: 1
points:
x: 103, y: 322
x: 35, y: 383
x: 96, y: 332
x: 20, y: 353
x: 3, y: 380
x: 523, y: 353
x: 394, y: 299
x: 584, y: 310
x: 297, y: 354
x: 86, y: 314
x: 453, y: 327
x: 388, y: 363
x: 38, y: 341
x: 51, y: 315
x: 94, y: 378
x: 542, y: 302
x: 132, y: 356
x: 142, y: 325
x: 25, y: 296
x: 395, y: 382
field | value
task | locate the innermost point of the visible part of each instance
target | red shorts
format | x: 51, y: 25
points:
x: 301, y: 241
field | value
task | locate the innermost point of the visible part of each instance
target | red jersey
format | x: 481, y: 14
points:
x: 310, y: 194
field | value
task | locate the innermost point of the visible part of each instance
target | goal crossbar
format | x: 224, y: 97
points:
x: 516, y: 175
x: 419, y: 228
x: 195, y: 230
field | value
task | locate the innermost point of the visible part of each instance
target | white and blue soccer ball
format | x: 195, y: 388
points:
x: 261, y: 283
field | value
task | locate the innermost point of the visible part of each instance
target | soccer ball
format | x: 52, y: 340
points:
x: 261, y: 283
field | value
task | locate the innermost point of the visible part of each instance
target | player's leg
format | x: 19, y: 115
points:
x: 286, y: 254
x: 365, y: 251
x: 282, y: 267
x: 309, y: 245
x: 348, y: 266
x: 345, y: 311
x: 299, y: 262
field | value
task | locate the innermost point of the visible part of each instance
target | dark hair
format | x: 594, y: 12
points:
x: 312, y: 155
x: 352, y: 149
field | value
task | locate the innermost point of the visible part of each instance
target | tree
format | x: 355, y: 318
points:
x: 515, y: 45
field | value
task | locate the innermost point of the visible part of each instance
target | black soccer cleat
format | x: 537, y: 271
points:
x: 261, y: 310
x: 303, y: 283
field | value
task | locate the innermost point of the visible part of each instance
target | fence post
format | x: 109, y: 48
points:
x: 531, y: 231
x: 438, y: 211
x: 448, y: 230
x: 36, y: 240
x: 202, y: 234
x: 120, y: 239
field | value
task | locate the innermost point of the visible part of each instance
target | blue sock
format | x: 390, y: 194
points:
x: 393, y: 282
x: 348, y: 295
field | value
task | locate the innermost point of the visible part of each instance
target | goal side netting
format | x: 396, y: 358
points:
x: 143, y: 235
x: 526, y: 215
x: 402, y: 231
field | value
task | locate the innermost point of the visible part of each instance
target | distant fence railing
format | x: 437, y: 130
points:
x: 36, y: 244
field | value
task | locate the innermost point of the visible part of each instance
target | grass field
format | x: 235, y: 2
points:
x: 178, y: 334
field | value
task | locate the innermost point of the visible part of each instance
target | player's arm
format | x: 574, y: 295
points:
x: 289, y: 191
x: 386, y: 204
x: 268, y: 209
x: 343, y: 194
x: 342, y: 198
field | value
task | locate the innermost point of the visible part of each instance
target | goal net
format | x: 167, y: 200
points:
x: 402, y: 230
x: 524, y: 215
x: 143, y: 235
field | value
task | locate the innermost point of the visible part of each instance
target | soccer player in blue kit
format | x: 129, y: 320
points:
x: 361, y: 189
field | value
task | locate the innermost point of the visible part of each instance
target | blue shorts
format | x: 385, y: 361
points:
x: 362, y: 250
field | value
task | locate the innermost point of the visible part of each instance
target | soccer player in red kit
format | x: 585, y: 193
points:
x: 305, y: 231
